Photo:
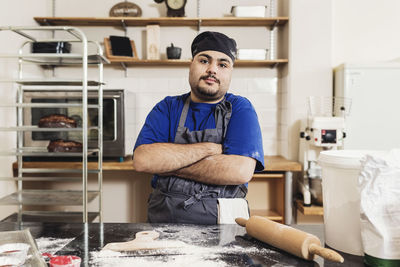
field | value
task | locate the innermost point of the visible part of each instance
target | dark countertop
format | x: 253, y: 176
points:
x: 216, y: 245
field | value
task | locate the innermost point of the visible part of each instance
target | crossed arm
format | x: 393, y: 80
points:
x: 202, y: 162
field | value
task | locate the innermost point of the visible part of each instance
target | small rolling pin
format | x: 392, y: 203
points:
x: 296, y: 242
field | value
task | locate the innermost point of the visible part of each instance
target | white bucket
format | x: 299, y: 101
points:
x: 341, y: 198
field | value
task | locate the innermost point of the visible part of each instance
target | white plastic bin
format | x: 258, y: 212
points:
x: 341, y: 198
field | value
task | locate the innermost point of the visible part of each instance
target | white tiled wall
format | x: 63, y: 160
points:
x: 143, y: 91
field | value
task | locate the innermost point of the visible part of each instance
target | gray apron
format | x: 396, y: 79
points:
x: 178, y: 200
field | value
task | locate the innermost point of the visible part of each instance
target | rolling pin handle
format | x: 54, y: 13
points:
x: 325, y: 253
x: 241, y: 221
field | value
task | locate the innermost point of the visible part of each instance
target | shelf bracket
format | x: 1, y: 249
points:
x: 275, y: 24
x: 123, y: 65
x: 123, y: 25
x: 199, y: 26
x: 46, y: 22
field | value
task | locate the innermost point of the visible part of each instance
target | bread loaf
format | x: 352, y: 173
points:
x: 57, y: 121
x: 64, y: 146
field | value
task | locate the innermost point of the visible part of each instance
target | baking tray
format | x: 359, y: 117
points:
x: 24, y: 236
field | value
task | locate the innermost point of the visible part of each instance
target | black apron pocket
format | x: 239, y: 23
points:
x: 204, y: 211
x: 160, y: 208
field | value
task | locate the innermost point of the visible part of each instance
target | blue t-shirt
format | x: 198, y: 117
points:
x: 243, y: 135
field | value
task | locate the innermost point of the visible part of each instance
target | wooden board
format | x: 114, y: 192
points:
x: 145, y: 240
x: 153, y: 42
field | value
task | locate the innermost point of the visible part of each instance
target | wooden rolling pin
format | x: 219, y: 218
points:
x: 294, y: 241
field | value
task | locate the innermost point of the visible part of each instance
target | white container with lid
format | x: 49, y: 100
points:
x: 249, y: 11
x: 251, y: 54
x: 341, y: 198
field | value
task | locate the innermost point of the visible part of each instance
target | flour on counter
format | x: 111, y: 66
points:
x: 193, y: 256
x: 203, y: 249
x: 52, y: 245
x: 110, y: 258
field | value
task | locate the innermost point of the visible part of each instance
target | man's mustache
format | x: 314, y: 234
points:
x: 205, y: 77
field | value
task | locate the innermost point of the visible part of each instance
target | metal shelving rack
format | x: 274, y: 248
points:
x: 44, y: 197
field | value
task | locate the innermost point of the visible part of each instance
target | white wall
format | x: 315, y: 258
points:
x: 365, y: 31
x: 309, y: 64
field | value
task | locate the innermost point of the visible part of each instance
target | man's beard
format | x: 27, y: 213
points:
x: 208, y: 95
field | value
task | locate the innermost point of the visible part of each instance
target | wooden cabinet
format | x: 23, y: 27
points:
x: 271, y: 23
x: 267, y: 195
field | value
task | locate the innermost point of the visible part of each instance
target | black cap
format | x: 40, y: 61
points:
x: 215, y: 41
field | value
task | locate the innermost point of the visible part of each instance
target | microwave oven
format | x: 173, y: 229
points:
x: 113, y: 119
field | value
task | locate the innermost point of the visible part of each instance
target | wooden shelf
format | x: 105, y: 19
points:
x: 279, y: 164
x: 272, y: 163
x: 268, y: 176
x: 270, y: 214
x: 312, y: 210
x: 186, y: 62
x: 153, y: 62
x: 162, y: 21
x: 167, y: 21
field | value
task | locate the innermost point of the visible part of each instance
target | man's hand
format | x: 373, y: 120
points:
x: 169, y: 157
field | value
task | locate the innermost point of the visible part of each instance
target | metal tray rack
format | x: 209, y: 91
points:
x: 82, y: 60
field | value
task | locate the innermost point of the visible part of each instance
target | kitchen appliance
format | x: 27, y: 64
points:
x: 113, y: 120
x: 374, y: 90
x: 322, y: 130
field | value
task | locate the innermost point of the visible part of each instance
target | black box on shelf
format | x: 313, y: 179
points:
x: 51, y: 47
x: 121, y: 46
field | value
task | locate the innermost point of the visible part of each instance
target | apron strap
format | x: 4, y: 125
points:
x: 221, y: 122
x: 184, y: 113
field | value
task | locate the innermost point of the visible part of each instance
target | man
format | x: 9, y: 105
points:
x: 203, y: 146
